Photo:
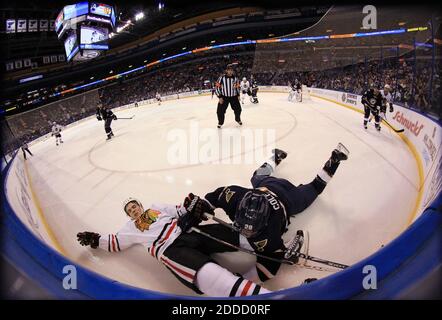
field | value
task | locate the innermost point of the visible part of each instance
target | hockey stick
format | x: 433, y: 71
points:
x: 392, y: 128
x: 239, y: 248
x: 126, y: 118
x: 298, y: 254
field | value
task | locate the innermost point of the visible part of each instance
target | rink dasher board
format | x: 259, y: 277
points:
x: 423, y: 136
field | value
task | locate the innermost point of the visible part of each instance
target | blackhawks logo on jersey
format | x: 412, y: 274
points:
x: 146, y: 219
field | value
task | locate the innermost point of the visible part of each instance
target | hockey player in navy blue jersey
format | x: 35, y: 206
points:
x: 261, y: 214
x: 373, y: 102
x: 107, y: 115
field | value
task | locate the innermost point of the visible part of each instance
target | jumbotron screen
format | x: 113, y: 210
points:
x: 75, y: 10
x: 101, y: 9
x: 81, y: 11
x: 71, y: 46
x: 93, y: 34
x: 94, y: 38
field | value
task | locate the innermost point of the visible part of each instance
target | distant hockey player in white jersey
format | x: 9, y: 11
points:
x: 245, y: 89
x: 295, y: 91
x: 56, y: 131
x: 387, y: 101
x: 166, y: 233
x: 158, y: 97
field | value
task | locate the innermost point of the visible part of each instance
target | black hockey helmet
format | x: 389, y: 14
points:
x: 376, y: 86
x: 252, y: 214
x: 231, y: 66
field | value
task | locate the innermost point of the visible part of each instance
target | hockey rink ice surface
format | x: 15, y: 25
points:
x: 82, y: 184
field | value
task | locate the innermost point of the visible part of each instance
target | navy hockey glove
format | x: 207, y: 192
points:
x: 89, y: 238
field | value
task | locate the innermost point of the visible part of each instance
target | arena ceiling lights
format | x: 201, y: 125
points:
x: 139, y: 16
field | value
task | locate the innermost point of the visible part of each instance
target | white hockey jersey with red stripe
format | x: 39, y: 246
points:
x: 159, y: 235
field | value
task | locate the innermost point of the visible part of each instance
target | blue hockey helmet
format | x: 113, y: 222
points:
x: 252, y: 214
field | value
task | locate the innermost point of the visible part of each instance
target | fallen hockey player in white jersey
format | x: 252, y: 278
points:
x: 163, y: 231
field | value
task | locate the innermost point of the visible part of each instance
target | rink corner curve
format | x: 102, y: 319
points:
x: 404, y: 267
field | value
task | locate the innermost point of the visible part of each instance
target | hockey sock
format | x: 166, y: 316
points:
x: 266, y: 169
x: 269, y: 166
x: 325, y: 175
x: 217, y: 281
x: 377, y: 124
x: 319, y: 183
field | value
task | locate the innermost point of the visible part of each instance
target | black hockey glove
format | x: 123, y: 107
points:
x: 187, y: 221
x: 99, y: 118
x: 115, y: 117
x: 89, y: 238
x: 195, y: 207
x: 391, y: 108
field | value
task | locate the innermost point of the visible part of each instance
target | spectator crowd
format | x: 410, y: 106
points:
x: 410, y: 80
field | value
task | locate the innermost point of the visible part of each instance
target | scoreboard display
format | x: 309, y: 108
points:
x: 71, y: 46
x: 84, y: 29
x: 101, y: 9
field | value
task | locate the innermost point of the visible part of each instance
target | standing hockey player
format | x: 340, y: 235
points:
x: 372, y: 100
x: 25, y: 148
x: 56, y: 131
x: 158, y: 97
x: 387, y: 101
x: 245, y: 87
x: 262, y: 214
x: 254, y: 92
x: 162, y: 230
x: 295, y: 91
x: 227, y: 90
x: 106, y: 114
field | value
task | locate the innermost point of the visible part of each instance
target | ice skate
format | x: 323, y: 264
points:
x: 340, y: 153
x: 279, y: 155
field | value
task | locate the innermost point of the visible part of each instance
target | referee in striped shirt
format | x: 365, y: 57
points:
x: 227, y: 90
